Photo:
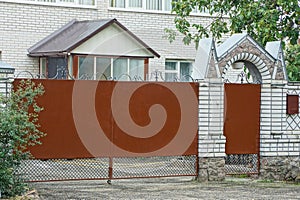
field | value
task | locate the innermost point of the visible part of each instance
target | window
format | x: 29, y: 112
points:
x: 154, y: 5
x: 58, y: 2
x: 142, y: 4
x: 135, y: 3
x: 43, y: 67
x: 167, y: 5
x: 117, y: 3
x: 136, y: 69
x: 86, y: 68
x: 120, y: 68
x: 53, y: 67
x: 178, y: 70
x: 103, y: 68
x: 100, y: 68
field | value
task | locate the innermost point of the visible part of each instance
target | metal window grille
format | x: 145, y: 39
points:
x: 241, y: 164
x: 99, y: 168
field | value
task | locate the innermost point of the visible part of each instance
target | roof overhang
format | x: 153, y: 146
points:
x: 60, y: 44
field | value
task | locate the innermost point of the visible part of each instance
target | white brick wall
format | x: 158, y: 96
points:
x: 211, y: 139
x: 22, y: 25
x: 276, y: 139
x: 150, y: 28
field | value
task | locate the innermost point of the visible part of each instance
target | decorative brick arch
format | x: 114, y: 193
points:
x: 257, y: 62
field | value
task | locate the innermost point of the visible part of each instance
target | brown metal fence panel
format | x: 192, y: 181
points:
x: 242, y: 128
x: 104, y: 125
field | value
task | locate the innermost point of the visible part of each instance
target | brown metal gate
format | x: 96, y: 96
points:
x: 109, y: 130
x: 242, y: 128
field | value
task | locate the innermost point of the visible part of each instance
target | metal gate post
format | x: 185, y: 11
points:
x: 110, y: 170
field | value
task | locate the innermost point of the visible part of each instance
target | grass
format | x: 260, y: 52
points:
x: 241, y: 175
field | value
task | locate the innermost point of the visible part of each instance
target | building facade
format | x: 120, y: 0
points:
x: 23, y: 23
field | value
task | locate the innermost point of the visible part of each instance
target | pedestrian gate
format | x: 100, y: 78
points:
x: 242, y: 128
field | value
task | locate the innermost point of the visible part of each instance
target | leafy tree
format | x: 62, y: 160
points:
x: 264, y: 20
x: 18, y: 130
x: 293, y: 62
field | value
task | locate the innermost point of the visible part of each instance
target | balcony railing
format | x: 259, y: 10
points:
x: 57, y: 2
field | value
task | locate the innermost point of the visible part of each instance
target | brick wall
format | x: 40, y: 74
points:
x: 22, y: 25
x: 278, y: 138
x: 150, y: 28
x: 211, y: 105
x: 279, y: 132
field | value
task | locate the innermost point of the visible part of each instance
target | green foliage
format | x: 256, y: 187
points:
x: 246, y: 71
x: 170, y: 35
x: 241, y: 175
x: 264, y: 20
x: 293, y: 62
x: 18, y: 130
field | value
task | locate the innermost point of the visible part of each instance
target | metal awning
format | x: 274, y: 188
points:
x: 6, y: 68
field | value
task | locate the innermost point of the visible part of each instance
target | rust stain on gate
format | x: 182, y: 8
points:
x: 242, y: 118
x: 89, y: 119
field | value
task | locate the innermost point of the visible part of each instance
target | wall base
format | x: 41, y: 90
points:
x: 281, y: 168
x: 211, y: 169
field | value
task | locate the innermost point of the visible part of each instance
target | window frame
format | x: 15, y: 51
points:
x: 112, y: 60
x: 177, y: 71
x: 43, y: 69
x: 143, y: 8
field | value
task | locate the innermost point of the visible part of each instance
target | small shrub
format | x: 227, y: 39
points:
x: 18, y: 130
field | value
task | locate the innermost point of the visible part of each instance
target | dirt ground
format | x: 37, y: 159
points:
x: 168, y: 188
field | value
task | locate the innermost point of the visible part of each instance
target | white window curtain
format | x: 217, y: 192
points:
x: 66, y: 1
x: 117, y: 3
x: 178, y: 70
x: 43, y: 67
x: 168, y: 5
x: 135, y: 3
x: 103, y: 68
x: 86, y: 2
x: 120, y: 70
x: 171, y: 70
x: 171, y: 65
x: 136, y: 69
x: 154, y: 4
x: 185, y: 71
x: 76, y: 2
x: 51, y: 1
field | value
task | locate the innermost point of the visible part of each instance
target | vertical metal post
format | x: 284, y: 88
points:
x: 110, y: 170
x: 197, y: 164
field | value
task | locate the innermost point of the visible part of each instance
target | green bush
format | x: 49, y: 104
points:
x: 18, y: 130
